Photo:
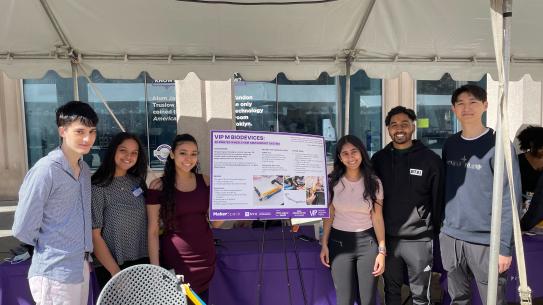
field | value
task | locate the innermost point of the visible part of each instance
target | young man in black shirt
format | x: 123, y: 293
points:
x: 411, y: 175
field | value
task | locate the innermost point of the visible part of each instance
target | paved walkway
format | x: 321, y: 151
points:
x: 7, y: 241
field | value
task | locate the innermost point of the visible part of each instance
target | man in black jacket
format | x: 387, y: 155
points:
x: 411, y: 175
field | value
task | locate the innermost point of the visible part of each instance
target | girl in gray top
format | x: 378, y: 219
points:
x: 119, y: 218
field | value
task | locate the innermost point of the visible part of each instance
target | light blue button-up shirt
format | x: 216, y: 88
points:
x: 54, y: 215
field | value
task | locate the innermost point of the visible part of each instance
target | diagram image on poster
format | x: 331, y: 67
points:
x: 268, y: 190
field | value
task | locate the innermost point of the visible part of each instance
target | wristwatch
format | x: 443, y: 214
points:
x: 382, y: 250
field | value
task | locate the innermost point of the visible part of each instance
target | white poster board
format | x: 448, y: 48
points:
x: 264, y: 175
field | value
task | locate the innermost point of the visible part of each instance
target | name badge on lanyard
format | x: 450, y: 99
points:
x: 137, y: 191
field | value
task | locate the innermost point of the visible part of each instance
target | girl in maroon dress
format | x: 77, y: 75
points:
x: 179, y: 200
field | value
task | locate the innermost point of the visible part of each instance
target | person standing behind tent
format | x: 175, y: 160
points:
x: 531, y: 169
x: 180, y: 200
x: 54, y: 212
x: 349, y: 243
x: 119, y: 217
x: 411, y: 175
x: 469, y: 169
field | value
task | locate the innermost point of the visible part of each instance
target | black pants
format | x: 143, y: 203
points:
x: 415, y: 257
x: 464, y: 261
x: 352, y: 256
x: 103, y: 276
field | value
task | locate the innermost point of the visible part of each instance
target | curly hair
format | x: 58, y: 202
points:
x: 400, y: 109
x: 531, y: 138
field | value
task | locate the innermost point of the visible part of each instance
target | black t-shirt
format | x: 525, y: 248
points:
x: 528, y: 175
x: 532, y: 181
x: 535, y: 212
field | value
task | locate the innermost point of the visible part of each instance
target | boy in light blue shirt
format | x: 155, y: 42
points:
x: 53, y: 213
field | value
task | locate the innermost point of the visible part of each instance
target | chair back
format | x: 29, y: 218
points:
x: 143, y: 285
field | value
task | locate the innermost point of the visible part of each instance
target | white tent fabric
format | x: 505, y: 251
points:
x: 501, y: 13
x: 169, y: 38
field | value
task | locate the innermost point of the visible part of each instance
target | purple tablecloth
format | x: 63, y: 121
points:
x: 14, y: 285
x: 533, y: 256
x: 236, y: 277
x: 237, y: 274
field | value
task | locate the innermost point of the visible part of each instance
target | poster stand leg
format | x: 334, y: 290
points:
x: 283, y: 225
x: 298, y: 264
x: 260, y: 264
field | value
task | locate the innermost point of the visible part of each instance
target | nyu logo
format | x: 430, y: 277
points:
x: 313, y: 212
x: 415, y: 172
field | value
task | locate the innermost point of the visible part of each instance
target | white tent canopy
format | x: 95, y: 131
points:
x: 170, y: 38
x: 260, y: 38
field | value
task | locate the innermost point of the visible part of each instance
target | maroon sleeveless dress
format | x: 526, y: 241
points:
x: 189, y: 248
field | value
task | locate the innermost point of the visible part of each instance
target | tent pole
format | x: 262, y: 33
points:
x: 362, y: 25
x: 497, y: 195
x: 65, y: 45
x: 75, y: 81
x: 497, y: 187
x: 347, y: 95
x: 56, y: 25
x: 351, y: 54
x: 501, y: 28
x: 501, y: 11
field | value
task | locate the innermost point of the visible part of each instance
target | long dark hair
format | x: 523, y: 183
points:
x: 105, y: 173
x: 168, y: 181
x: 371, y: 185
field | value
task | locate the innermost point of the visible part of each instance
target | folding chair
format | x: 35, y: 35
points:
x: 143, y: 285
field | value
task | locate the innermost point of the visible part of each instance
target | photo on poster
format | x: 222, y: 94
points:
x: 294, y: 183
x: 268, y: 190
x: 294, y: 188
x: 314, y: 190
